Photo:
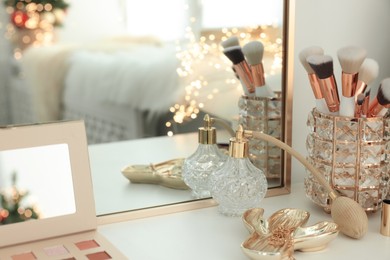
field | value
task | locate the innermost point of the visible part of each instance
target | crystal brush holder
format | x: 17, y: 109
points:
x: 265, y: 115
x: 352, y: 155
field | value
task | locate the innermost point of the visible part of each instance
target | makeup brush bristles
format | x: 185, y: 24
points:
x: 351, y: 58
x: 234, y: 54
x: 231, y: 41
x: 322, y: 65
x: 253, y: 52
x: 369, y: 71
x: 383, y: 94
x: 305, y: 53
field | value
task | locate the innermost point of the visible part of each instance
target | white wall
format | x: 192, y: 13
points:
x: 333, y: 24
x: 90, y: 20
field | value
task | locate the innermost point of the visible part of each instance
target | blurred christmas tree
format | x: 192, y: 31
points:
x: 11, y: 209
x: 29, y: 13
x: 32, y: 22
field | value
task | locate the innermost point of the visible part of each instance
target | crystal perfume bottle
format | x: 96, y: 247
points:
x: 207, y: 158
x: 238, y: 185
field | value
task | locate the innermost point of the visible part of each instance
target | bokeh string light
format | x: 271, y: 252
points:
x: 203, y: 67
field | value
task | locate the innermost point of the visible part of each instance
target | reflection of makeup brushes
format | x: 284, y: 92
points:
x: 381, y: 102
x: 231, y: 41
x: 313, y: 79
x: 359, y: 105
x: 241, y: 67
x: 368, y: 72
x: 323, y: 67
x: 254, y: 52
x: 351, y: 59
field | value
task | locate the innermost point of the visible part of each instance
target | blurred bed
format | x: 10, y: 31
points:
x: 120, y: 86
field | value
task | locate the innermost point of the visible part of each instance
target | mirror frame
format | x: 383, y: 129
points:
x: 287, y: 97
x: 287, y: 87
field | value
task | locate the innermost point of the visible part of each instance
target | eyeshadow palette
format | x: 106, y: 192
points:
x: 53, y: 217
x: 87, y: 245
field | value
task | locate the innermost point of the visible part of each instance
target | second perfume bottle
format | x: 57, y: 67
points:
x: 207, y: 158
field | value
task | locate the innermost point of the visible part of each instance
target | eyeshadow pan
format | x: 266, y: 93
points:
x: 55, y: 250
x: 99, y: 256
x: 84, y: 245
x: 24, y: 256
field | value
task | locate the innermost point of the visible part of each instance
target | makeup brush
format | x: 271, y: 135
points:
x: 381, y: 102
x: 240, y: 65
x: 366, y: 102
x: 351, y: 59
x: 313, y: 79
x: 368, y: 72
x: 346, y: 212
x: 231, y: 41
x: 359, y: 105
x: 253, y: 52
x: 323, y: 68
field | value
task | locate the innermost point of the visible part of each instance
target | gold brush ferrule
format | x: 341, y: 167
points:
x: 358, y: 110
x: 360, y: 87
x: 258, y: 75
x: 365, y: 106
x: 244, y: 73
x: 349, y: 83
x: 315, y: 85
x: 330, y: 93
x: 375, y: 108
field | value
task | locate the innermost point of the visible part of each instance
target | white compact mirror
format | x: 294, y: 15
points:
x: 45, y: 182
x: 36, y: 183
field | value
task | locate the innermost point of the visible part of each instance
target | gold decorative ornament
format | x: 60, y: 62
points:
x: 167, y: 173
x: 282, y: 233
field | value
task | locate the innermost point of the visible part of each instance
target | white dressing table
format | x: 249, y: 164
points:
x: 199, y: 233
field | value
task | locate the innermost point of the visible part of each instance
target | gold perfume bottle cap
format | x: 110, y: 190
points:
x: 238, y: 146
x: 207, y: 134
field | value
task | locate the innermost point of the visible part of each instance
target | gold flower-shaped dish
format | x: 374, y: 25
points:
x: 166, y: 173
x: 282, y: 234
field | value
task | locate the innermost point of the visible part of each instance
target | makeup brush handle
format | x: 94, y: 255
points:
x: 298, y: 156
x: 321, y: 106
x: 264, y: 91
x: 347, y: 106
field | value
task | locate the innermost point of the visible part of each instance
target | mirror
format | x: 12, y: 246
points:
x: 24, y: 195
x: 198, y: 50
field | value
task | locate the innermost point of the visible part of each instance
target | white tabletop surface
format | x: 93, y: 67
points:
x: 205, y: 234
x: 201, y: 233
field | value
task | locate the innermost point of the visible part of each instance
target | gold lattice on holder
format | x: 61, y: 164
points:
x: 264, y: 115
x: 352, y: 154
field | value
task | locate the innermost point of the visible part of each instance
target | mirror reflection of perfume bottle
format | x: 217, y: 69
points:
x: 238, y: 185
x: 207, y: 158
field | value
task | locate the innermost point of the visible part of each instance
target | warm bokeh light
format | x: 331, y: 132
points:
x: 207, y: 51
